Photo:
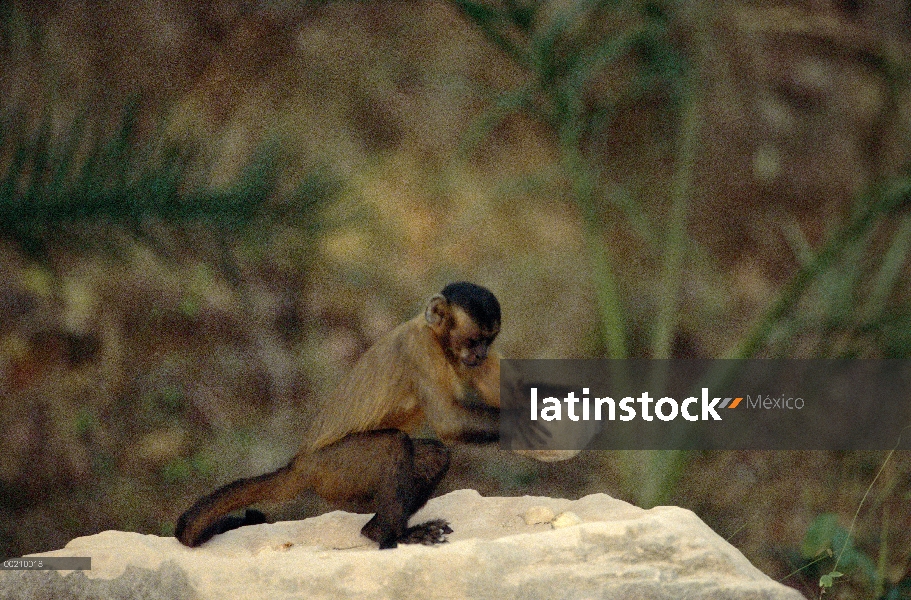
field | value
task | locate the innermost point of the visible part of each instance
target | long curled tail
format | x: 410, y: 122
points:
x: 207, y: 517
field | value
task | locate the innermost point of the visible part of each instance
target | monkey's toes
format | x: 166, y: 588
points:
x: 428, y: 534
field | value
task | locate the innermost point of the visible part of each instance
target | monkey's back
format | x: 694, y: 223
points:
x: 381, y: 392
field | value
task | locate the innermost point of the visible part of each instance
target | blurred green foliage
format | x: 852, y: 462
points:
x: 841, y: 311
x: 566, y: 52
x: 583, y: 64
x: 843, y: 295
x: 826, y: 542
x: 52, y: 183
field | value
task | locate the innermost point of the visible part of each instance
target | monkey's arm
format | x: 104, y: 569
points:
x: 489, y: 385
x: 475, y: 416
x: 466, y: 420
x: 473, y: 413
x: 486, y: 381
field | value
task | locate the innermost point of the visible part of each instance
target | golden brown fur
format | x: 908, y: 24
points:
x: 426, y: 387
x: 358, y: 454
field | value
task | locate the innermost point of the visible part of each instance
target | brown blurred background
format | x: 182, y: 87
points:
x: 208, y: 210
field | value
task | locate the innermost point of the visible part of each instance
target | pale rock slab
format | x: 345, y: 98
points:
x: 616, y: 550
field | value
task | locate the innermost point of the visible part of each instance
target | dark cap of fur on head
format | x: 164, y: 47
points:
x: 479, y: 302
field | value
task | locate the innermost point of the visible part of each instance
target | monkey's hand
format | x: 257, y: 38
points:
x: 535, y: 433
x: 428, y: 534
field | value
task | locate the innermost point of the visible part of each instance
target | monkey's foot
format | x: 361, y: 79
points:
x: 429, y: 533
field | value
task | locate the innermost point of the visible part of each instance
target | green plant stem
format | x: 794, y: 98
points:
x: 675, y: 239
x: 892, y: 265
x: 488, y: 21
x: 690, y: 96
x: 607, y: 291
x: 867, y: 493
x: 809, y: 564
x: 665, y: 468
x: 883, y: 560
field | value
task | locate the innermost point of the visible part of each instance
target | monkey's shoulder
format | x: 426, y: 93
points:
x: 382, y: 389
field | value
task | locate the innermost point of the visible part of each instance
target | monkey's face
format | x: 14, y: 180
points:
x: 468, y: 342
x: 465, y: 339
x: 474, y: 352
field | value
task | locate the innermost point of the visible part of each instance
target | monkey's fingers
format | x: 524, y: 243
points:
x: 533, y: 434
x: 538, y: 434
x: 428, y: 534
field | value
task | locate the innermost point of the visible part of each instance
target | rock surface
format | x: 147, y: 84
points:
x: 615, y: 551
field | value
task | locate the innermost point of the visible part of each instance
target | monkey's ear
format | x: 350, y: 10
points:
x: 436, y: 310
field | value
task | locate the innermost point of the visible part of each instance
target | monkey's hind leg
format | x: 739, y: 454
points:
x: 387, y: 473
x: 431, y: 462
x: 422, y: 464
x: 417, y: 470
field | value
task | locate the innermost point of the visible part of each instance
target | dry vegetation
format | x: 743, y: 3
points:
x: 275, y: 187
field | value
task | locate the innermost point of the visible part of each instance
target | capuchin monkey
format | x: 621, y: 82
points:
x: 358, y: 454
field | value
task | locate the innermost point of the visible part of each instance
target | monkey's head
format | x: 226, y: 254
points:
x: 465, y: 319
